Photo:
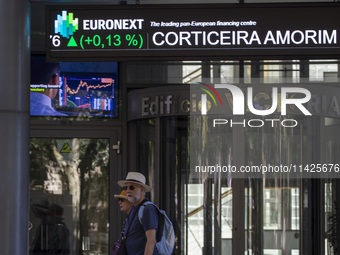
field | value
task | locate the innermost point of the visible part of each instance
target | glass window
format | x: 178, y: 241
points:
x: 272, y: 209
x: 69, y: 185
x: 295, y: 208
x: 330, y: 219
x: 195, y: 219
x: 192, y: 72
x: 323, y: 71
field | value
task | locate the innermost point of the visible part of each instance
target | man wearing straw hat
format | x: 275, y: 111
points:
x: 140, y: 238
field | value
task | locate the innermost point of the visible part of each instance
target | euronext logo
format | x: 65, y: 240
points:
x: 65, y: 25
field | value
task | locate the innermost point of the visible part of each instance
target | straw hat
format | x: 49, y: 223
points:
x: 121, y: 195
x: 137, y: 178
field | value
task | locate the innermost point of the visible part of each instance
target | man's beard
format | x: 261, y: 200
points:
x: 134, y: 199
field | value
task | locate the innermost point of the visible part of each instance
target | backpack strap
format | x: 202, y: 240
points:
x: 141, y: 210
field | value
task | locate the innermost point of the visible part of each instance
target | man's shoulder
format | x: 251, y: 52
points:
x: 148, y: 210
x: 148, y: 205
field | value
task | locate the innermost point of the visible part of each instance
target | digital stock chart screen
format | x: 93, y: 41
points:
x: 139, y: 32
x: 90, y: 94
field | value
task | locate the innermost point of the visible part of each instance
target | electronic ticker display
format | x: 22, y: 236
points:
x: 87, y: 32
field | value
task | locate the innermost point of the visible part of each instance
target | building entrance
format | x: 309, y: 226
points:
x: 71, y: 207
x: 272, y: 215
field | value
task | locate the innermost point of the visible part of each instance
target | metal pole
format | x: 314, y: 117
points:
x: 14, y: 127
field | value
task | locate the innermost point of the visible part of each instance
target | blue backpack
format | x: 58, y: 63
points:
x: 165, y: 241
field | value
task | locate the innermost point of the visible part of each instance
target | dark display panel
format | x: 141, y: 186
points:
x: 191, y: 31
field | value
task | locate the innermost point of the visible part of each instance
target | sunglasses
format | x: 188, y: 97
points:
x: 121, y: 200
x: 131, y: 187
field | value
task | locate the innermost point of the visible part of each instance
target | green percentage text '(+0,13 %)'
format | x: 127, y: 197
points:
x: 133, y: 40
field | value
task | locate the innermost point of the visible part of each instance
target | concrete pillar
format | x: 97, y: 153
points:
x: 14, y: 125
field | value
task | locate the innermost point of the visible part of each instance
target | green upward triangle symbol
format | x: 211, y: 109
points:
x: 72, y: 43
